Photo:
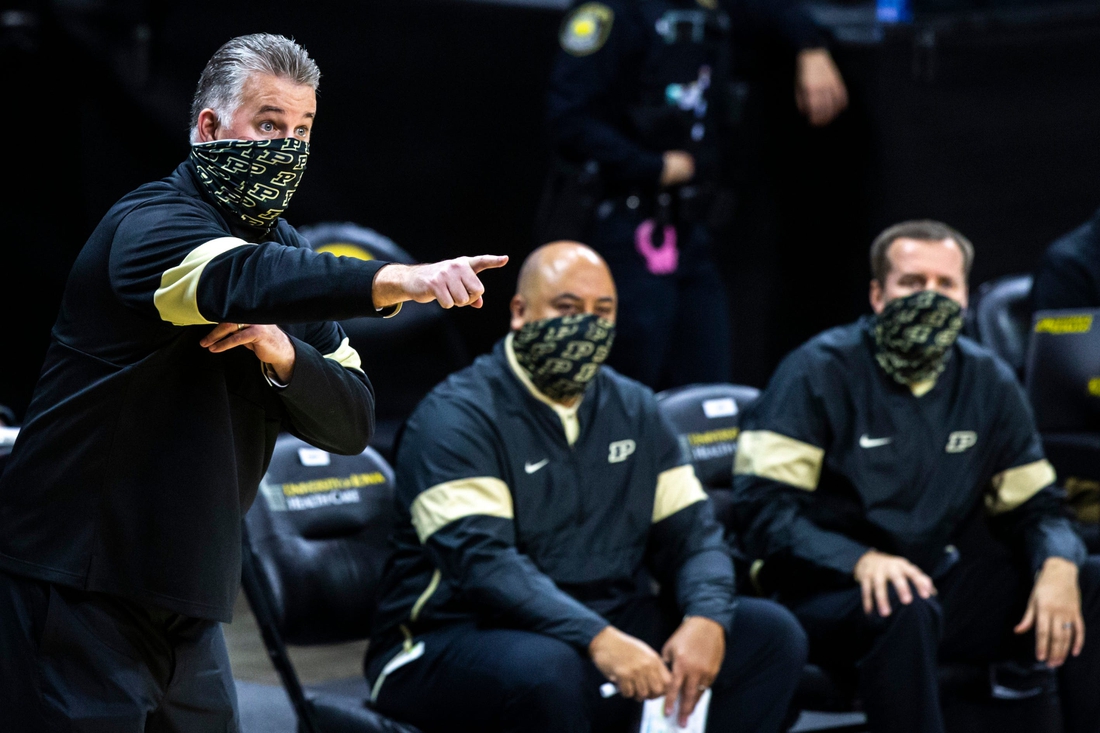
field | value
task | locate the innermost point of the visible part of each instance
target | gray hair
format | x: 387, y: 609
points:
x: 925, y: 230
x: 222, y: 82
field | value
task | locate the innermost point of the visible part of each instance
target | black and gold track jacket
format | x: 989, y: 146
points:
x: 837, y: 458
x: 140, y: 450
x: 522, y: 513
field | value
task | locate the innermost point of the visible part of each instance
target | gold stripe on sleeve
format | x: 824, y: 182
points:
x: 346, y: 356
x: 177, y: 297
x: 779, y: 458
x: 446, y: 502
x: 677, y: 488
x: 1014, y: 486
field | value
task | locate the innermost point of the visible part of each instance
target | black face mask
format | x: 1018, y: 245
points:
x: 252, y: 180
x: 914, y: 336
x: 563, y: 355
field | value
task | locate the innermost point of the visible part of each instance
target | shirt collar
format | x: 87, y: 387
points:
x: 567, y: 415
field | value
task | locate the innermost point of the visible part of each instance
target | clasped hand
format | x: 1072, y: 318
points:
x: 269, y: 343
x: 687, y: 665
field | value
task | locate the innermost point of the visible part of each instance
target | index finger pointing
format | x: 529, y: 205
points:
x: 487, y: 262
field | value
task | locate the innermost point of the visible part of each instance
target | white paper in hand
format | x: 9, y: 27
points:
x: 654, y: 720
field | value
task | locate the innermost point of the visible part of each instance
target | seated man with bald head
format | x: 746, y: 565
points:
x: 555, y: 539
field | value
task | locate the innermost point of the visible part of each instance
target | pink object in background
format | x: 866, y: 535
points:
x: 661, y: 260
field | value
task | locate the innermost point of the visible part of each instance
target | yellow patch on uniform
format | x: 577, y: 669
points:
x: 708, y: 4
x: 585, y: 30
x: 344, y: 249
x: 1094, y: 386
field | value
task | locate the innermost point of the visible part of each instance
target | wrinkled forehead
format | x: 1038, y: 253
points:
x: 935, y: 256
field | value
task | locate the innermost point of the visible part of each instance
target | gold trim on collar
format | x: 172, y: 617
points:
x: 568, y: 415
x: 920, y: 389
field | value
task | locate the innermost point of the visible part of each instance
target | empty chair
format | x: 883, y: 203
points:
x: 315, y: 545
x: 1001, y: 318
x: 404, y: 356
x: 706, y: 419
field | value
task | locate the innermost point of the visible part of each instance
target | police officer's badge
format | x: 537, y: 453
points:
x: 585, y: 30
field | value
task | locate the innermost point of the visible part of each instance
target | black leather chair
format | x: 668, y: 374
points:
x: 706, y: 418
x: 315, y: 545
x: 1000, y: 317
x: 404, y: 356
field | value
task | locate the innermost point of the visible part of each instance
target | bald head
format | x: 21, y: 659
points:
x: 563, y: 278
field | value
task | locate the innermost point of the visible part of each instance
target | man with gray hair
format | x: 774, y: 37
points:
x: 892, y: 487
x: 196, y: 325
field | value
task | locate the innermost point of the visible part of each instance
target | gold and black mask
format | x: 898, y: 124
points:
x: 251, y: 180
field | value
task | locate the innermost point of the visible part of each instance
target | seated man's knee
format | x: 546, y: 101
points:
x: 922, y: 615
x: 788, y: 638
x: 779, y: 638
x: 551, y: 676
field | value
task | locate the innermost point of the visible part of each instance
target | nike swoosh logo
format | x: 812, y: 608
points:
x: 532, y: 467
x: 866, y: 442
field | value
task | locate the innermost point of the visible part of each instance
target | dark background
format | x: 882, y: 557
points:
x: 430, y: 131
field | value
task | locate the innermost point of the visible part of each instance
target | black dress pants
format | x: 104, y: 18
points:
x: 83, y: 662
x: 971, y: 619
x: 493, y: 680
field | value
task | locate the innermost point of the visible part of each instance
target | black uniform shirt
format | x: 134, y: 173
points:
x: 837, y: 458
x: 140, y: 450
x: 1068, y: 275
x: 523, y: 513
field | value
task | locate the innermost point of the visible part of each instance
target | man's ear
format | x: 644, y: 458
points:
x: 518, y: 306
x: 877, y: 297
x: 207, y: 125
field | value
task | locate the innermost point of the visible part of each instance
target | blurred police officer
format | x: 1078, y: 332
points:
x: 641, y: 110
